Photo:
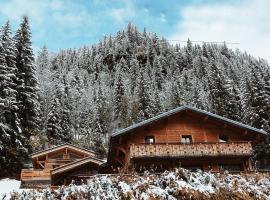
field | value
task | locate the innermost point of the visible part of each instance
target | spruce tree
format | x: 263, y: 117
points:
x: 45, y: 87
x: 257, y: 102
x: 27, y: 83
x: 13, y: 145
x: 120, y: 100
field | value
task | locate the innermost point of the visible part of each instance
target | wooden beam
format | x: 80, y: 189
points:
x: 121, y: 149
x: 225, y: 125
x: 245, y: 132
x: 42, y: 165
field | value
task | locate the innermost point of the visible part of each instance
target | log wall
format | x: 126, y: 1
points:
x: 201, y: 128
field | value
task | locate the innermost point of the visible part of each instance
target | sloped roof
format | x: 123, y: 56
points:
x: 77, y: 163
x: 183, y: 108
x: 62, y: 146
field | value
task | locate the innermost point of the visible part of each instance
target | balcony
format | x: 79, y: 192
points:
x: 191, y: 149
x: 29, y: 174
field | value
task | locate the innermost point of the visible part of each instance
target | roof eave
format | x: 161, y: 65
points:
x: 35, y: 154
x: 182, y: 108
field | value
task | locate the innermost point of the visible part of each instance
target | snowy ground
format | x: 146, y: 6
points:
x: 170, y: 185
x: 7, y: 186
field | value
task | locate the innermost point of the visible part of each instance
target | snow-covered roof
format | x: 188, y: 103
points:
x: 183, y: 108
x: 61, y: 146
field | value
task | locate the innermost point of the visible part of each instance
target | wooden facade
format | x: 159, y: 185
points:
x: 54, y: 166
x: 186, y: 137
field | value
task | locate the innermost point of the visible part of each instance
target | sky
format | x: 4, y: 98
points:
x: 61, y: 24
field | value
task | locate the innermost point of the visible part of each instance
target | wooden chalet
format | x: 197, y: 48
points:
x: 186, y: 137
x: 59, y: 166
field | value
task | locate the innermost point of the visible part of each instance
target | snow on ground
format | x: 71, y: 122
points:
x: 170, y: 185
x: 7, y: 186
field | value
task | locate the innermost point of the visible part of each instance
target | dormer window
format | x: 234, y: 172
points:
x: 149, y: 140
x: 186, y: 139
x: 223, y: 138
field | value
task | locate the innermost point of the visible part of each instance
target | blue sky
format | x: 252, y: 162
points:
x: 63, y: 24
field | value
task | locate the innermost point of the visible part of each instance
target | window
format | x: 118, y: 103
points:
x: 223, y: 138
x: 149, y: 140
x: 186, y: 139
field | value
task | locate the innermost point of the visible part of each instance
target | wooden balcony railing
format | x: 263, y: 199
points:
x: 28, y: 174
x: 191, y: 149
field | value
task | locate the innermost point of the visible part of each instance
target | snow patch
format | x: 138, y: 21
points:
x: 7, y: 186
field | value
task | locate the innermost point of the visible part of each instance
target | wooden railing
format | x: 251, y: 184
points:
x: 190, y: 149
x: 28, y: 174
x: 60, y: 161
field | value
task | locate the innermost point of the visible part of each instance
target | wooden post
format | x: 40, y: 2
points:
x: 250, y: 167
x: 127, y: 160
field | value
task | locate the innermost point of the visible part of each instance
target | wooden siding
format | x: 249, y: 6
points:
x: 204, y: 131
x: 191, y: 150
x: 45, y: 161
x: 28, y: 174
x: 201, y: 129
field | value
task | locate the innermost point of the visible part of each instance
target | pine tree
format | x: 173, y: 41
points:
x: 157, y: 72
x: 188, y: 54
x: 257, y: 102
x: 27, y: 83
x: 219, y: 95
x: 13, y: 145
x: 46, y: 86
x: 120, y: 100
x: 59, y: 123
x: 99, y: 125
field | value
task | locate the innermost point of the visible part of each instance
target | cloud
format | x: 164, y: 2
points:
x: 162, y: 17
x: 15, y: 9
x: 122, y: 13
x: 51, y: 19
x: 146, y: 10
x: 246, y: 22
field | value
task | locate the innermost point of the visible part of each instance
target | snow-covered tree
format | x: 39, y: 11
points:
x: 13, y: 145
x: 27, y: 82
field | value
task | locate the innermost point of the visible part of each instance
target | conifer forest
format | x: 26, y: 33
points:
x: 83, y: 95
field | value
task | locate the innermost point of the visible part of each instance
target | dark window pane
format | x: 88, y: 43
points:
x: 150, y: 140
x: 223, y: 138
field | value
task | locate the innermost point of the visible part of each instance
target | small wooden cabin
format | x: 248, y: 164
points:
x: 59, y: 165
x: 186, y: 137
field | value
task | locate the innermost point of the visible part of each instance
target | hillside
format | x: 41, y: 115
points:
x: 177, y: 184
x: 83, y: 95
x: 88, y: 93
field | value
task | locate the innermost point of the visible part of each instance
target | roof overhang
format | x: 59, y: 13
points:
x: 183, y: 108
x: 63, y: 146
x: 75, y: 164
